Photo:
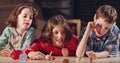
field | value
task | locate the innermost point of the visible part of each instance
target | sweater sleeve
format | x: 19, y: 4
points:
x: 72, y: 45
x: 29, y: 38
x: 34, y: 47
x: 4, y: 37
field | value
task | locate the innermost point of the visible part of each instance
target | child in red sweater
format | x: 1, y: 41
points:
x: 56, y: 37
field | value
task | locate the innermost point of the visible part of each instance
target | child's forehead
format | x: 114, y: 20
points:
x: 26, y: 10
x: 58, y: 29
x: 58, y: 26
x: 20, y: 8
x: 107, y: 19
x: 103, y: 20
x: 103, y: 23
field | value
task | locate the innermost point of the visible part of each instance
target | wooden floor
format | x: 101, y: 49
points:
x: 62, y: 60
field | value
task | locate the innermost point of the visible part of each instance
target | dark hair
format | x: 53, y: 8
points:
x: 108, y: 13
x: 52, y: 22
x: 12, y: 20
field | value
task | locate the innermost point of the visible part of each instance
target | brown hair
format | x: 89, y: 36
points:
x: 12, y: 20
x: 52, y: 22
x: 108, y: 13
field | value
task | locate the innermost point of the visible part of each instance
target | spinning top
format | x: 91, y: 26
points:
x: 49, y: 57
x: 16, y: 53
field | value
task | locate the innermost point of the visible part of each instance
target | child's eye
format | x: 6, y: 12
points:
x: 24, y: 16
x: 56, y: 32
x: 31, y: 17
x: 99, y: 25
x: 106, y: 28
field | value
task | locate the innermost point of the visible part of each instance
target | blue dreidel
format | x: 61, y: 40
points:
x: 23, y: 57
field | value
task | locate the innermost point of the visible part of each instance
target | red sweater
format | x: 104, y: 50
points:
x: 46, y: 48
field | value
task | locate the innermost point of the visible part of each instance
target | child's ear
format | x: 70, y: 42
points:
x: 94, y: 17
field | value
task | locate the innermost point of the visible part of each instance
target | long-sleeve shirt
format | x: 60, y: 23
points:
x: 11, y: 37
x: 46, y: 48
x: 108, y: 42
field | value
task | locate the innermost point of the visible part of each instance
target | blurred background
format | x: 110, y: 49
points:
x: 75, y: 9
x: 70, y: 9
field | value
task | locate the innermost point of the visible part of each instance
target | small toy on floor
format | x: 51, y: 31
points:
x: 65, y: 60
x: 49, y: 57
x: 15, y: 54
x: 91, y: 58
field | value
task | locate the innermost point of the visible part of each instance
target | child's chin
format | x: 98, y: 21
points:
x: 98, y: 35
x: 59, y: 45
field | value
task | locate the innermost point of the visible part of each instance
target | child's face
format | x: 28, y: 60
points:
x: 58, y: 36
x: 102, y: 27
x: 25, y: 19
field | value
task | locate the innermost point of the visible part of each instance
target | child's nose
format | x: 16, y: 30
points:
x: 28, y: 18
x: 59, y: 35
x: 102, y: 30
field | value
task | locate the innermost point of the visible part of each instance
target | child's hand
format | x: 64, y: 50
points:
x: 6, y: 52
x: 36, y: 55
x: 91, y: 54
x: 65, y: 52
x: 91, y: 26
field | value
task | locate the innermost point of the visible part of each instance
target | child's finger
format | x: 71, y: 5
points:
x: 90, y: 58
x: 94, y: 56
x: 40, y: 55
x: 65, y: 52
x: 43, y: 55
x: 89, y: 53
x: 3, y: 47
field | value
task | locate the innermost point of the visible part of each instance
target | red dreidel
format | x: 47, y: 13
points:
x: 53, y: 57
x: 15, y: 54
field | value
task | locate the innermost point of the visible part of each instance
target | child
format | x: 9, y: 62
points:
x: 20, y: 30
x: 99, y: 38
x: 56, y: 37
